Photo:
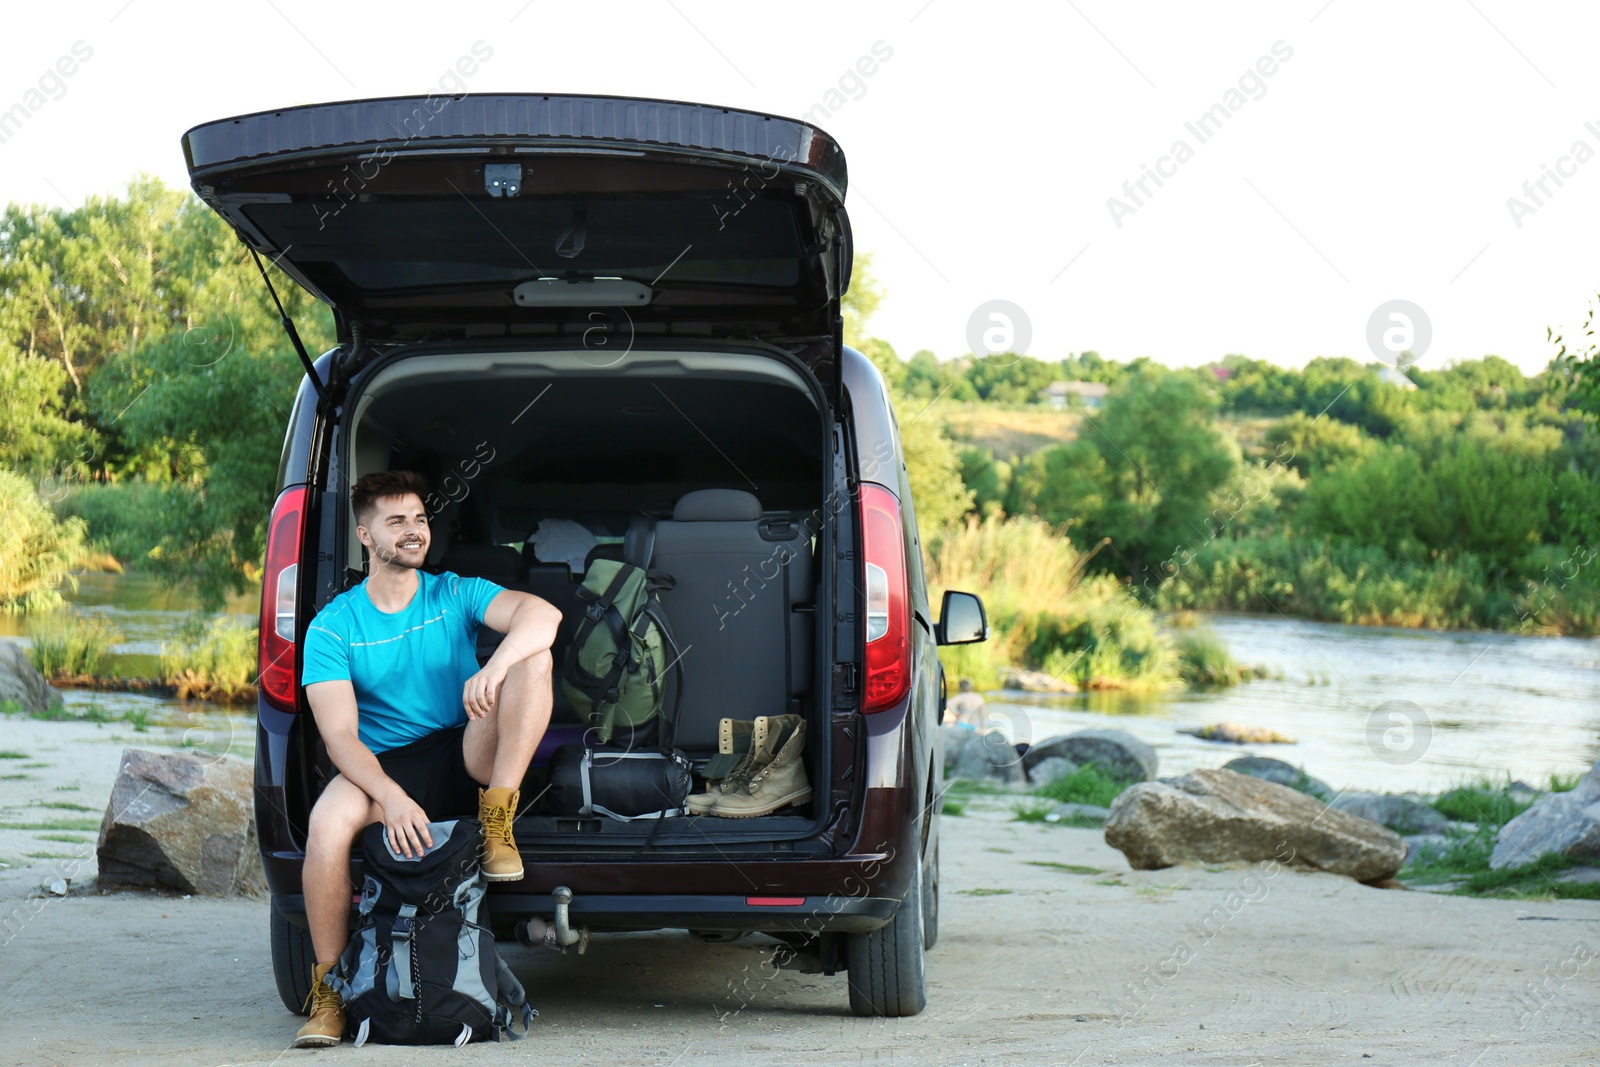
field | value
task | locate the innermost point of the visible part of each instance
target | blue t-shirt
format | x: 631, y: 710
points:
x: 408, y: 668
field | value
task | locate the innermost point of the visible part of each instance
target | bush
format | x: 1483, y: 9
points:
x: 215, y: 662
x: 1204, y: 660
x: 1484, y: 802
x: 76, y: 647
x: 1044, y: 612
x: 129, y: 519
x: 36, y: 549
x: 1087, y: 785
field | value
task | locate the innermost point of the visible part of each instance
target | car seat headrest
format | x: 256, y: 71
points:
x: 717, y: 505
x: 498, y: 563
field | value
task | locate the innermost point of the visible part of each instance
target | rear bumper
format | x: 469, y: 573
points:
x: 610, y: 911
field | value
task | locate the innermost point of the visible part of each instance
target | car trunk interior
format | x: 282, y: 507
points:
x: 539, y: 461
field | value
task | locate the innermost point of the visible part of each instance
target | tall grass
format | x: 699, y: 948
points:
x: 72, y: 647
x: 1044, y: 612
x: 1205, y: 662
x: 212, y: 662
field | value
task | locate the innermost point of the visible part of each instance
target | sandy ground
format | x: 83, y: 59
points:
x: 1052, y: 951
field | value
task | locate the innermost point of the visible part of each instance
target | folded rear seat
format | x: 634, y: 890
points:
x: 737, y: 577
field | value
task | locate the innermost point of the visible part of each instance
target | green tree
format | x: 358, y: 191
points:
x: 36, y: 550
x: 36, y: 436
x: 1141, y: 473
x: 1312, y: 444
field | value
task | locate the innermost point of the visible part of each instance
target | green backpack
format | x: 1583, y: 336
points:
x: 615, y: 670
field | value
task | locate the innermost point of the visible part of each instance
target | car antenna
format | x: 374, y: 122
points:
x: 294, y: 335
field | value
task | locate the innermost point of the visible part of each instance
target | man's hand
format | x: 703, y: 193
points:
x: 482, y: 691
x: 406, y: 825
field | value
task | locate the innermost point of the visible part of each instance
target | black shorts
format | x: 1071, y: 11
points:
x: 433, y: 772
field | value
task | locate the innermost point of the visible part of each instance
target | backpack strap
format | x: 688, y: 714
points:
x: 401, y: 933
x: 600, y: 609
x: 669, y: 645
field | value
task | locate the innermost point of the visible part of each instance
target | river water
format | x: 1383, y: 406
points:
x: 1370, y: 708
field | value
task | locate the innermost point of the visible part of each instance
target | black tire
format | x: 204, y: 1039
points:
x: 886, y: 972
x: 930, y: 900
x: 292, y: 959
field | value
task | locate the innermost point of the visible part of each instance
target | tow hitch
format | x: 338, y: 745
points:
x: 557, y: 934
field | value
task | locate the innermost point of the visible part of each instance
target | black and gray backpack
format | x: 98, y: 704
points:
x: 419, y: 968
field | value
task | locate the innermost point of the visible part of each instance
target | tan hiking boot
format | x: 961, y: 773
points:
x: 496, y: 810
x: 326, y: 1025
x: 776, y: 776
x: 734, y: 752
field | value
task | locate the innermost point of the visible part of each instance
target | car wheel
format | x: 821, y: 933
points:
x: 292, y: 958
x: 930, y: 901
x: 885, y: 967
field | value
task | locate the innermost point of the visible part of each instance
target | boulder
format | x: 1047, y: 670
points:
x: 1275, y: 770
x: 1036, y: 682
x: 1049, y: 769
x: 182, y: 821
x: 1238, y: 734
x: 1115, y: 752
x: 22, y: 684
x: 988, y: 758
x: 1402, y: 814
x: 1415, y: 843
x: 1565, y: 823
x: 1216, y: 816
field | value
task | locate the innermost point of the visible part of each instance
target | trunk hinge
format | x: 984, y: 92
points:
x: 293, y: 334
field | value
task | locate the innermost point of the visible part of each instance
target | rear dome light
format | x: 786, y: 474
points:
x: 888, y: 600
x: 279, y: 580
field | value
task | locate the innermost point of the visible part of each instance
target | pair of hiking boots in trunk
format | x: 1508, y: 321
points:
x: 757, y: 768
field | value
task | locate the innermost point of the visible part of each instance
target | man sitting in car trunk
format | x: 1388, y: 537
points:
x: 413, y: 725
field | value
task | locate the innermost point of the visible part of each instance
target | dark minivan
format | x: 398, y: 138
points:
x: 572, y: 312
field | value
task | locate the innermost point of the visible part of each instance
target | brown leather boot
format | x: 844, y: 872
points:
x: 496, y: 810
x: 326, y: 1025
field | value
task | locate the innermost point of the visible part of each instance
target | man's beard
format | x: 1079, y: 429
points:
x: 394, y: 558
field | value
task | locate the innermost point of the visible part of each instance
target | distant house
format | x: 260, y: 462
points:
x: 1060, y: 395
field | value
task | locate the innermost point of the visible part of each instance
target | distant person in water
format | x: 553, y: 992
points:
x: 965, y: 709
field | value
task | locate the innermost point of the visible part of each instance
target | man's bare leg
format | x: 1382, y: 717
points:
x: 498, y: 747
x: 336, y: 819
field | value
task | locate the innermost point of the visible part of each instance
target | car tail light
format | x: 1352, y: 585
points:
x: 278, y: 599
x: 888, y: 618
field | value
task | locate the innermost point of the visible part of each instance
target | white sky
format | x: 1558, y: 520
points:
x: 1377, y: 165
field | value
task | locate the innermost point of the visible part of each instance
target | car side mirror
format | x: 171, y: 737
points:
x: 961, y: 619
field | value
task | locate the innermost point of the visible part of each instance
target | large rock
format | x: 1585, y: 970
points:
x: 1049, y: 769
x: 181, y: 821
x: 1564, y: 823
x: 1404, y: 815
x: 1276, y: 770
x: 22, y: 684
x: 988, y: 758
x: 1217, y: 816
x: 1118, y: 754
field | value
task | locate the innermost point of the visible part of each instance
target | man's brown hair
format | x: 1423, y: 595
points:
x: 370, y: 488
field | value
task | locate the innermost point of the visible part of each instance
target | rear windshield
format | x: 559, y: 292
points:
x: 392, y: 245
